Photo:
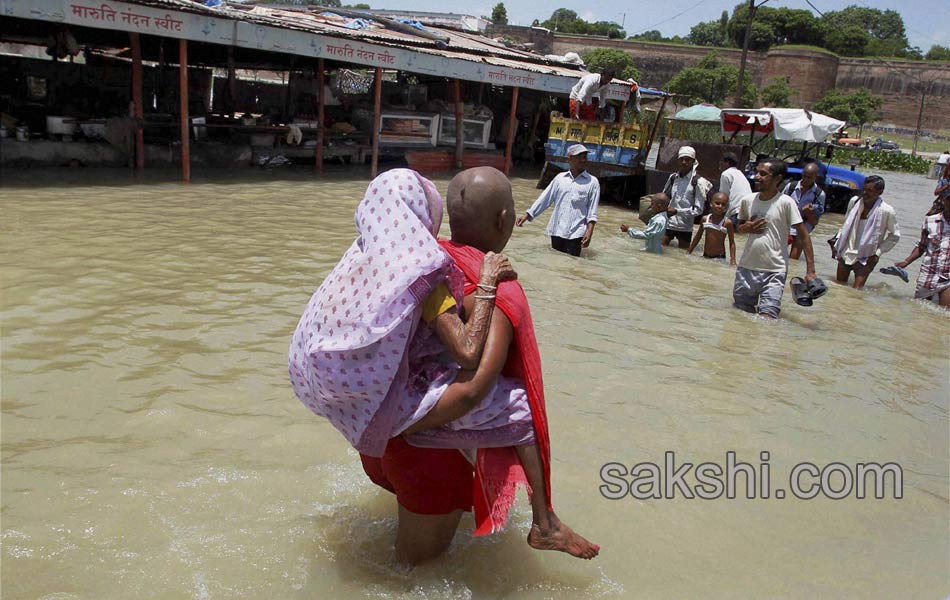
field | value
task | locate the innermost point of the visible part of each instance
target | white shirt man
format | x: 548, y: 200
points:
x: 942, y: 161
x: 582, y: 94
x: 585, y: 88
x: 870, y: 229
x: 767, y: 216
x: 733, y: 183
x: 687, y: 192
x: 575, y: 195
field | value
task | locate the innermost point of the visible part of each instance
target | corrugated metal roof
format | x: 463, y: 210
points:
x: 437, y: 51
x: 314, y: 21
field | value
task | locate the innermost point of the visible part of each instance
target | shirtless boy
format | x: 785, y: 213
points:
x: 716, y: 228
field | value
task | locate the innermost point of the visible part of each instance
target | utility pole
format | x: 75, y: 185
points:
x: 745, y: 50
x: 920, y: 114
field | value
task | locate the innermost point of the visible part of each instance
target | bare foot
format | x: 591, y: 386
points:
x: 559, y: 536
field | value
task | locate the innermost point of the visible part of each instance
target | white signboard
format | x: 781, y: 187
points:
x: 213, y: 29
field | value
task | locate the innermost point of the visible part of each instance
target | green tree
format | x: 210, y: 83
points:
x: 865, y: 106
x: 775, y: 26
x: 609, y: 28
x: 652, y: 35
x: 560, y: 19
x: 796, y: 26
x: 884, y: 29
x: 858, y: 108
x: 836, y: 105
x: 567, y: 21
x: 499, y: 15
x: 610, y: 58
x: 707, y: 33
x: 762, y: 35
x: 851, y: 40
x: 938, y: 53
x: 776, y: 93
x: 713, y: 82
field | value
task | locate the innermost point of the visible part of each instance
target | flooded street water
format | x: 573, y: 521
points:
x: 152, y: 445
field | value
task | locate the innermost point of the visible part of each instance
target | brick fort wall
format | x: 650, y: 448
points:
x: 810, y: 73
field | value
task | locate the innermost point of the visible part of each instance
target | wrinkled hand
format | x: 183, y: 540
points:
x: 521, y: 220
x: 623, y: 227
x: 495, y: 268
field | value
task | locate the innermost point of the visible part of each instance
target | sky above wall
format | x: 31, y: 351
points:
x: 927, y: 21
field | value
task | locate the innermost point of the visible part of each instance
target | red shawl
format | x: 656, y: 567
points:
x: 498, y: 470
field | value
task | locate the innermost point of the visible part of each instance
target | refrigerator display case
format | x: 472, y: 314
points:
x: 476, y: 131
x: 408, y: 129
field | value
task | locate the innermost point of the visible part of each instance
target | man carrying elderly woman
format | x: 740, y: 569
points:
x: 402, y: 351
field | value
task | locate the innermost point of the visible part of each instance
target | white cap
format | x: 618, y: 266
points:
x: 687, y: 151
x: 576, y: 149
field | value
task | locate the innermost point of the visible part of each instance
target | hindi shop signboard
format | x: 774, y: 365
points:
x: 216, y: 29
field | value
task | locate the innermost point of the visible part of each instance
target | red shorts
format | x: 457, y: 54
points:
x: 426, y: 481
x: 588, y: 111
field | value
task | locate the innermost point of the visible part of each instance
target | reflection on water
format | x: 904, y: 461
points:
x: 153, y: 446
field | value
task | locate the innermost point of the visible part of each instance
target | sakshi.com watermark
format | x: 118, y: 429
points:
x: 670, y: 479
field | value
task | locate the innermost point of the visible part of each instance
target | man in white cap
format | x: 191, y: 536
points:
x: 688, y: 192
x: 575, y: 195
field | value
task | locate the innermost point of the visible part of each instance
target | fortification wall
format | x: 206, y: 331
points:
x: 810, y: 73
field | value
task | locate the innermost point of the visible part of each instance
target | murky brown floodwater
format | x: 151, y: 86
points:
x: 152, y: 446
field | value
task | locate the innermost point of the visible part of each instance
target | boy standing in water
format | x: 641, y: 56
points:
x: 656, y: 228
x: 717, y: 227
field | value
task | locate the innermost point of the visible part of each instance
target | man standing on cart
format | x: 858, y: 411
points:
x: 582, y: 94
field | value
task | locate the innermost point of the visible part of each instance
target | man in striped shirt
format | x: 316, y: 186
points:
x: 933, y: 282
x: 575, y: 195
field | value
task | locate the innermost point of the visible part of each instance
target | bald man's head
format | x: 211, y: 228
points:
x: 810, y: 174
x: 481, y: 209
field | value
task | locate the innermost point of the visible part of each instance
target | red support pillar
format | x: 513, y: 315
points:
x: 377, y: 102
x: 512, y: 128
x: 183, y: 108
x: 459, y: 125
x: 138, y: 111
x: 232, y: 82
x: 320, y: 106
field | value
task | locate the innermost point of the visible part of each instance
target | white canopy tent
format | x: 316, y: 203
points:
x: 788, y: 124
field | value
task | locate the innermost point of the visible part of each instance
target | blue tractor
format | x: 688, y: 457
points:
x: 800, y: 137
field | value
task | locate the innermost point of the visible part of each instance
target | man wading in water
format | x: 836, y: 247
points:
x: 407, y: 440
